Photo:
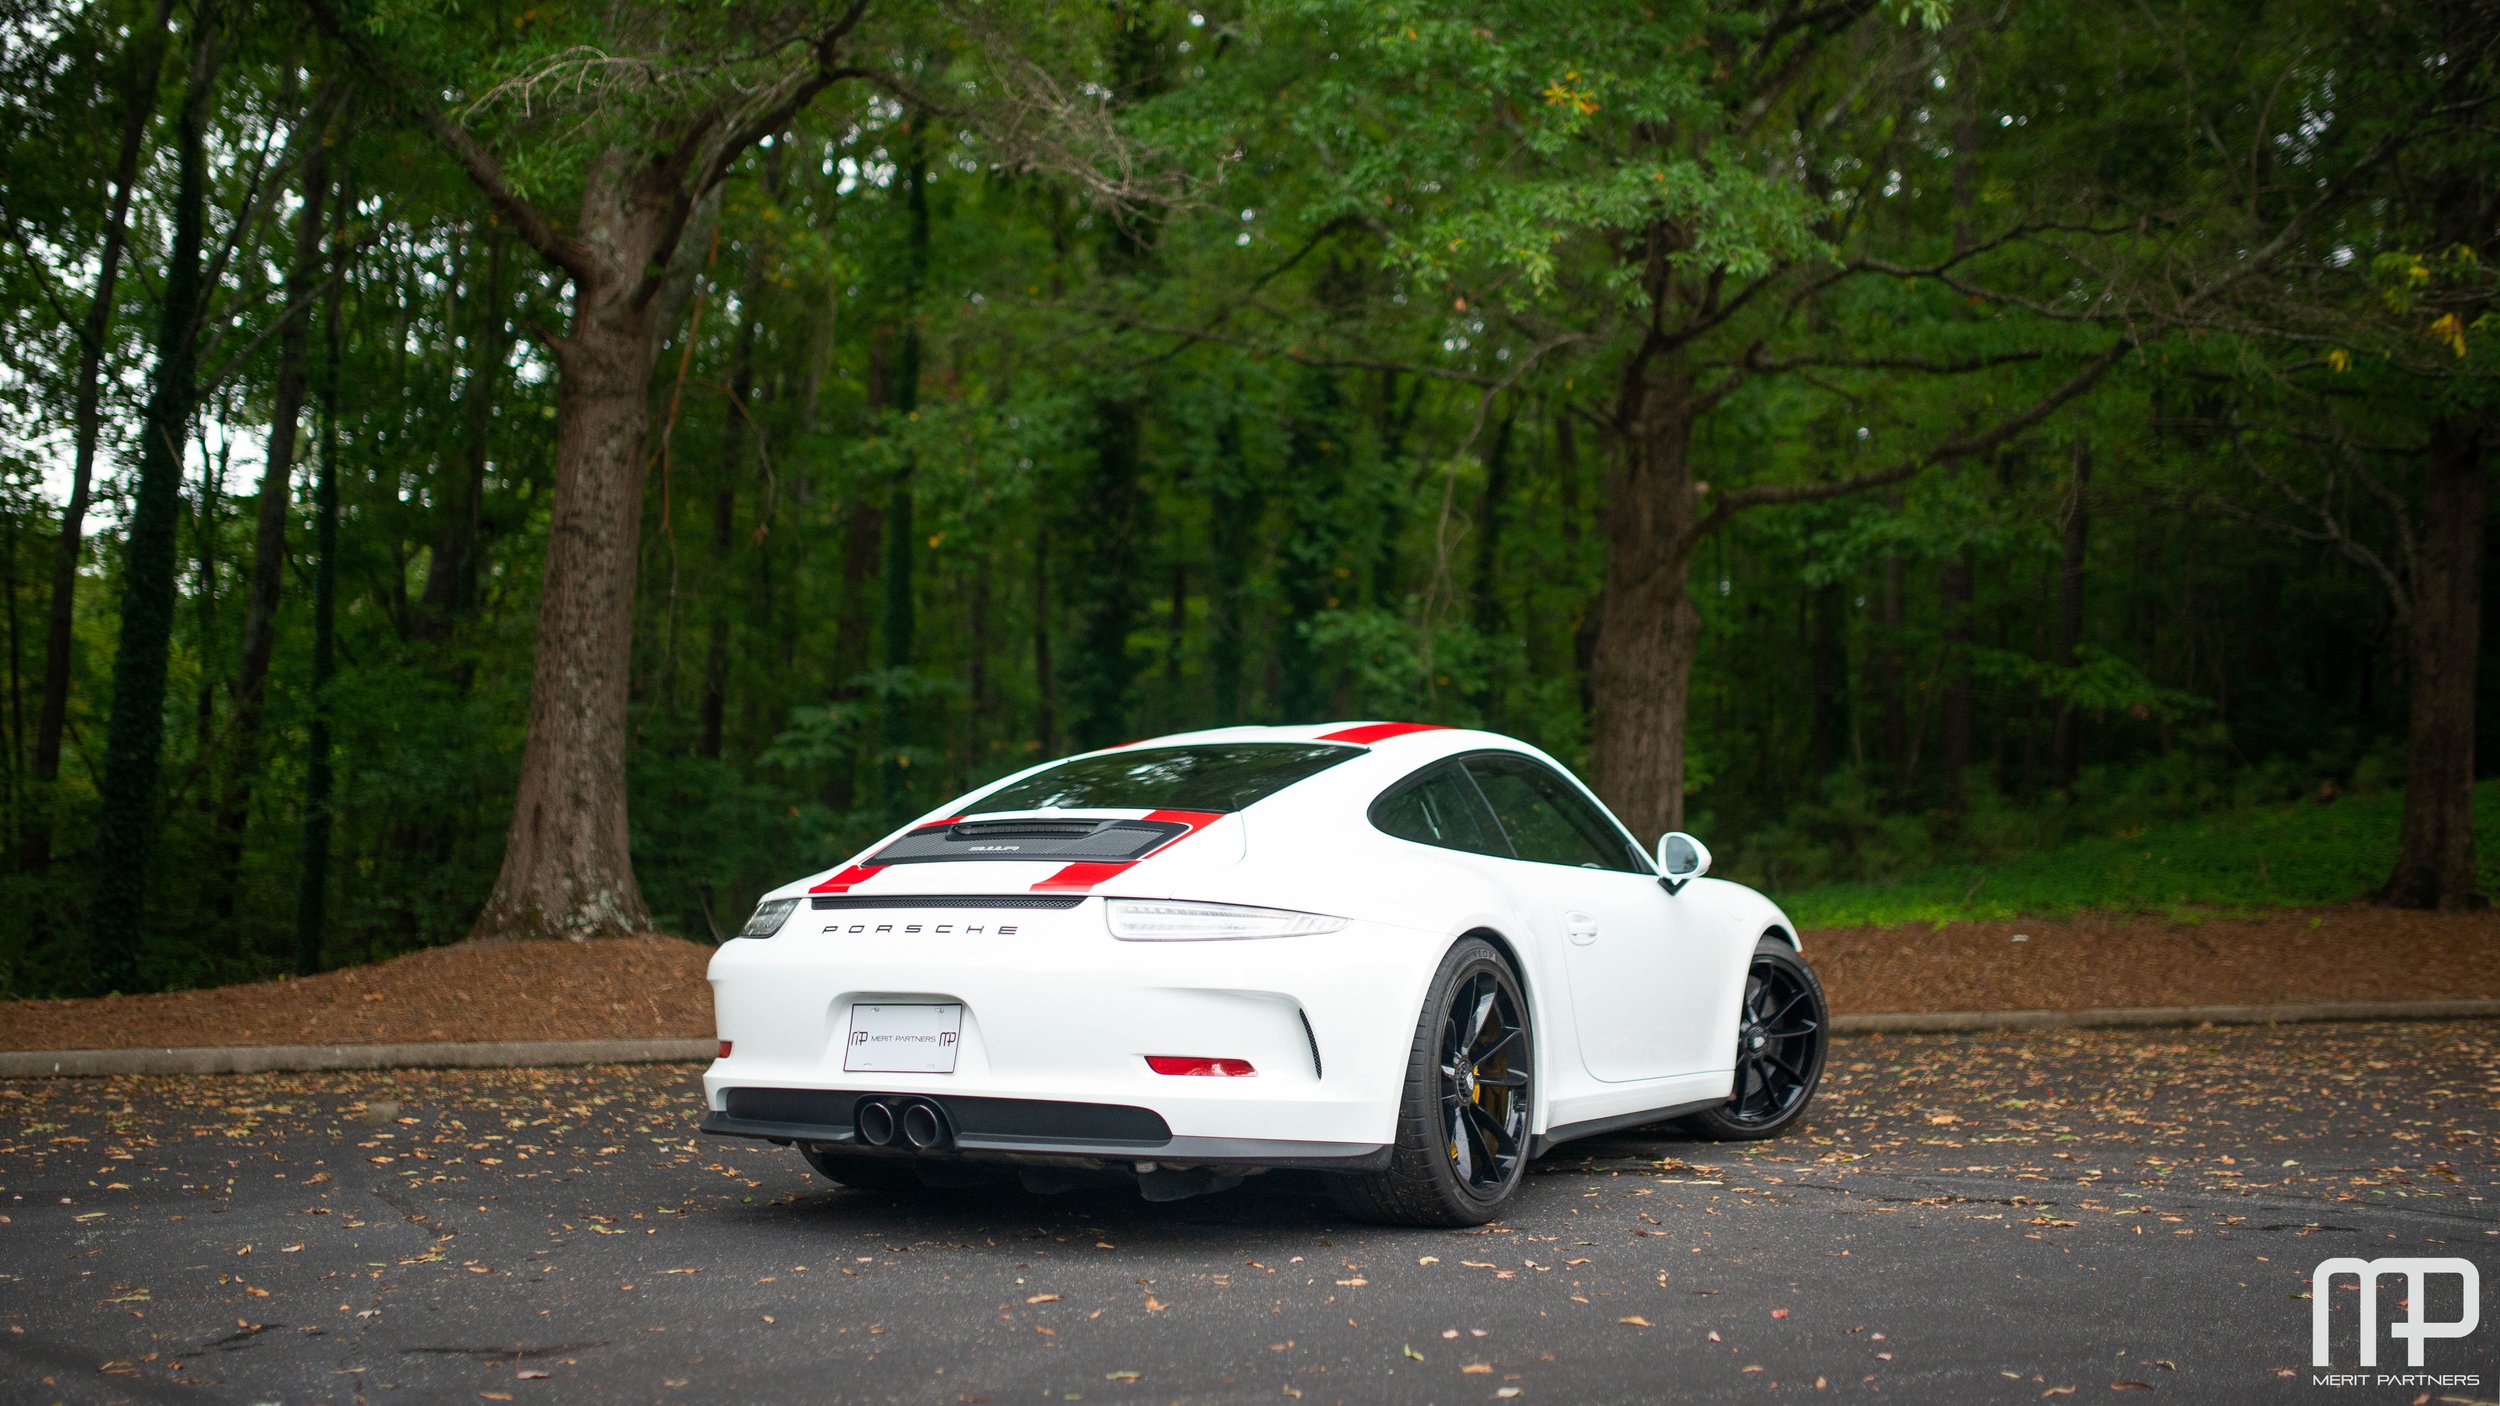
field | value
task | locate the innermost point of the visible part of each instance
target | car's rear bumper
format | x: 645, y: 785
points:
x: 969, y: 1141
x: 1058, y: 1015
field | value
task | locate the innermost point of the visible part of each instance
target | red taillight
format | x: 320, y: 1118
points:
x: 724, y: 1049
x: 1195, y: 1064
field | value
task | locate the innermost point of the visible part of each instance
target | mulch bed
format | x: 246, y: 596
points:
x: 2351, y: 952
x: 619, y: 988
x: 651, y: 987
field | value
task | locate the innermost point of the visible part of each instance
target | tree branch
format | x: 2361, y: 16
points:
x: 535, y: 229
x: 1958, y: 447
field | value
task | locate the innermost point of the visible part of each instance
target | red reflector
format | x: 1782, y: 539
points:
x: 1193, y: 1064
x: 724, y: 1049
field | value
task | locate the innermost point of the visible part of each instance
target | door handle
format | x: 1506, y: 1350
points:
x: 1582, y: 927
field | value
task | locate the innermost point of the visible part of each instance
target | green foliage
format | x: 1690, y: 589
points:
x: 1268, y: 368
x: 2309, y: 851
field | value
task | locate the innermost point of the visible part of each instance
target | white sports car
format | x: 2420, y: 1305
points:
x: 1416, y: 957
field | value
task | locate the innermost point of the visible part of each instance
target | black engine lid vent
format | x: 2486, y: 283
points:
x: 1032, y: 841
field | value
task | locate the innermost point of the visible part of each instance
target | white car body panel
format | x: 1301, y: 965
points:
x: 1640, y: 1018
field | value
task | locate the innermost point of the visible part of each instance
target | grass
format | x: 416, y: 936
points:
x: 2270, y: 856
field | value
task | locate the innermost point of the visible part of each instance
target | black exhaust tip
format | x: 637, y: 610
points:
x: 922, y: 1127
x: 876, y: 1123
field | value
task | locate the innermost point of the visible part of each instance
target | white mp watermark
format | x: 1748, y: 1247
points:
x: 2416, y: 1327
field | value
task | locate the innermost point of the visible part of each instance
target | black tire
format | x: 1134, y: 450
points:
x: 862, y: 1173
x: 1781, y: 1036
x: 1462, y: 1139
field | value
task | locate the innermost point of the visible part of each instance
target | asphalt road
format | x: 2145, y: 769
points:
x: 1967, y: 1218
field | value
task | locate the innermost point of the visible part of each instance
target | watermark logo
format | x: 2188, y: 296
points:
x: 2416, y: 1327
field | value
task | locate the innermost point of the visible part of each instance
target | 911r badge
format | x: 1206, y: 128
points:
x: 904, y: 1039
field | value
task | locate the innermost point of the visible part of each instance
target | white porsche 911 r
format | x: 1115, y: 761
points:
x: 1415, y: 957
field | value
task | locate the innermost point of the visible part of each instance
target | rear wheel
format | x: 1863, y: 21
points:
x: 1462, y: 1140
x: 1781, y: 1031
x: 862, y: 1173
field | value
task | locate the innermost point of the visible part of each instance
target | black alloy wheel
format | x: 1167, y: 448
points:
x: 1484, y: 1084
x: 1782, y: 1029
x: 1463, y: 1113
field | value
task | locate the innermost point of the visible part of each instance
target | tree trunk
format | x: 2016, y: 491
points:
x: 1958, y: 713
x: 1647, y: 628
x: 1109, y: 568
x: 312, y: 892
x: 269, y: 555
x: 1045, y: 677
x: 902, y: 532
x: 134, y: 742
x: 2065, y: 749
x: 1827, y: 743
x: 1232, y: 529
x: 145, y: 57
x: 567, y: 869
x: 1309, y: 556
x: 1891, y: 678
x: 2435, y: 852
x: 737, y: 453
x: 1485, y: 611
x: 451, y: 577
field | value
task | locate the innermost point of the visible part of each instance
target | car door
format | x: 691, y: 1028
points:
x: 1640, y: 994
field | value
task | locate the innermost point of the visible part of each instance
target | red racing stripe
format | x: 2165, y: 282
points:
x: 1081, y: 878
x: 844, y: 881
x: 1375, y: 732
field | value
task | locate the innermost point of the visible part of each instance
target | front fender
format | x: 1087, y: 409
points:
x: 1735, y: 909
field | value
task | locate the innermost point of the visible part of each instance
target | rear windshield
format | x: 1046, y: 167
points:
x: 1219, y: 776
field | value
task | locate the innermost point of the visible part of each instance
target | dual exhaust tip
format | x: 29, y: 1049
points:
x: 910, y: 1122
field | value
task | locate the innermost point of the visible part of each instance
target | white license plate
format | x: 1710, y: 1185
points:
x: 904, y: 1039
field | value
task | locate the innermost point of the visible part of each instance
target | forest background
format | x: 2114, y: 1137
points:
x: 550, y: 471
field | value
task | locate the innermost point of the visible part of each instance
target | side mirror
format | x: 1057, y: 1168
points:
x: 1681, y: 859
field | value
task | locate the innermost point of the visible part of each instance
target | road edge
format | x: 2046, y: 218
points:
x: 527, y: 1054
x: 294, y: 1059
x: 2114, y: 1017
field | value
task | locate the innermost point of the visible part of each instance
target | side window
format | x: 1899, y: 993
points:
x: 1441, y: 808
x: 1547, y: 818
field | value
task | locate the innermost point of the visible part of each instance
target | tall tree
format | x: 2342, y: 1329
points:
x: 312, y: 891
x: 1661, y: 223
x: 143, y: 61
x: 649, y: 138
x: 274, y: 505
x: 134, y: 740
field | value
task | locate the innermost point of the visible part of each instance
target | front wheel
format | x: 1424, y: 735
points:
x: 1782, y: 1030
x: 1463, y: 1115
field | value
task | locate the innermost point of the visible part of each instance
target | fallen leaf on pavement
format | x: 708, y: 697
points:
x: 1639, y: 1322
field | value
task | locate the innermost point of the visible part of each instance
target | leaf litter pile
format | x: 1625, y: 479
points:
x: 653, y: 987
